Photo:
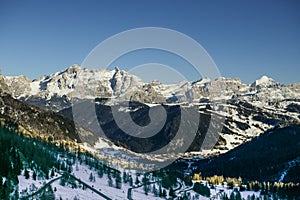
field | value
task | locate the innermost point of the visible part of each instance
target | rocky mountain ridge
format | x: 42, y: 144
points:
x: 83, y: 83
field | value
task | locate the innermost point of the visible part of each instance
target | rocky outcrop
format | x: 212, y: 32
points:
x: 3, y: 86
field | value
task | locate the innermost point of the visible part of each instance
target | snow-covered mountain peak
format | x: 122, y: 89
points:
x: 73, y: 69
x: 263, y: 81
x: 202, y: 81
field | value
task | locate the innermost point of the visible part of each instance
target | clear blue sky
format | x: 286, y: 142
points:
x: 246, y: 39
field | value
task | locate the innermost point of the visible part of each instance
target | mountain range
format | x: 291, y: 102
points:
x: 248, y: 109
x: 114, y: 83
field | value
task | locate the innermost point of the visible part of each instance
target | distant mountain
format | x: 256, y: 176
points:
x: 82, y: 83
x: 77, y: 82
x: 273, y: 156
x: 249, y: 109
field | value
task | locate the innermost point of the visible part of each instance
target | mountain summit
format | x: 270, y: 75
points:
x: 263, y: 81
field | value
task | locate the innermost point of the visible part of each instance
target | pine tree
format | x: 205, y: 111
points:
x: 34, y: 175
x: 47, y: 175
x: 62, y: 181
x: 100, y: 172
x: 130, y: 181
x: 154, y: 190
x: 224, y: 197
x: 17, y: 163
x: 52, y: 173
x: 1, y: 188
x: 137, y: 181
x: 5, y: 191
x: 201, y: 189
x: 26, y: 174
x: 70, y: 169
x: 118, y: 181
x: 110, y: 183
x: 91, y: 177
x: 160, y: 193
x: 125, y: 178
x: 232, y: 196
x: 145, y: 181
x: 172, y: 193
x: 238, y: 196
x: 164, y: 193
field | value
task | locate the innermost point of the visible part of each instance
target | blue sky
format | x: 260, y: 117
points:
x: 246, y: 39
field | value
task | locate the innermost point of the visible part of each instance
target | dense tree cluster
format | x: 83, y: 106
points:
x: 20, y: 153
x: 201, y: 189
x: 267, y: 189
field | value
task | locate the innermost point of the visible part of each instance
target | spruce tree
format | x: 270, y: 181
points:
x: 52, y: 173
x: 91, y: 177
x: 172, y: 193
x: 137, y: 181
x: 26, y: 174
x: 100, y: 172
x: 34, y: 175
x: 110, y: 183
x: 130, y: 181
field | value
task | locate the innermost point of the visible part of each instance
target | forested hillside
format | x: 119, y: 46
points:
x: 18, y: 153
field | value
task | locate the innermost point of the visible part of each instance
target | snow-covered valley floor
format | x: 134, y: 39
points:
x: 84, y: 173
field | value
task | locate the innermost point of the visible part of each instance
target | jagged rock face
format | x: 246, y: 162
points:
x: 3, y: 86
x: 226, y: 88
x: 148, y: 94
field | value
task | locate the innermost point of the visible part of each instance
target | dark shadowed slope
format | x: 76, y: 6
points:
x: 273, y: 156
x: 34, y: 121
